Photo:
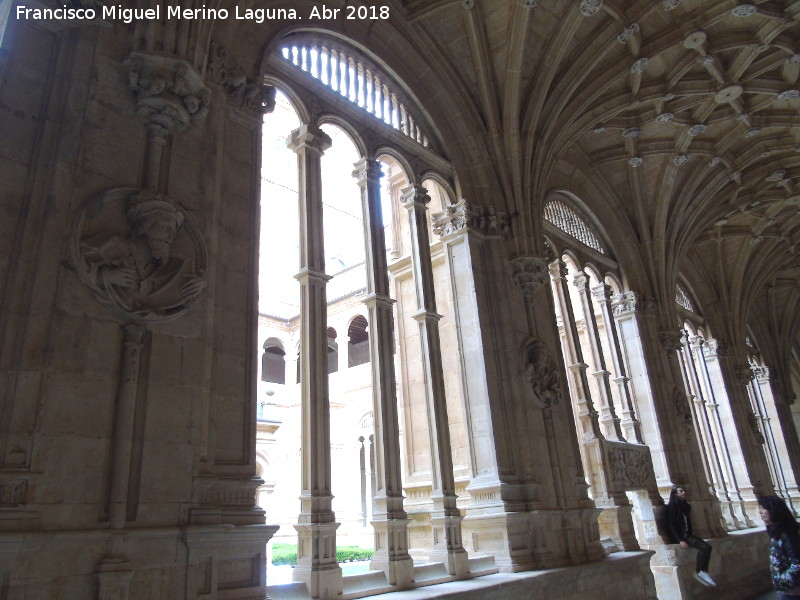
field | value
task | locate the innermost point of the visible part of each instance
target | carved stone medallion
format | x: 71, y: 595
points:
x: 139, y: 254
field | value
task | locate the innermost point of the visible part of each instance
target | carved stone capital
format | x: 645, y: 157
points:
x: 168, y: 92
x: 696, y: 342
x: 715, y: 347
x: 453, y: 219
x: 630, y: 302
x: 415, y: 196
x: 307, y: 138
x: 530, y: 274
x: 542, y: 375
x: 558, y: 270
x: 601, y: 292
x: 139, y: 255
x: 671, y: 339
x: 762, y: 374
x: 477, y: 218
x: 367, y: 170
x: 581, y: 280
x: 255, y: 98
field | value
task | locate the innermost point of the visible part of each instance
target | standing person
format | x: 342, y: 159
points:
x: 784, y: 550
x: 679, y: 514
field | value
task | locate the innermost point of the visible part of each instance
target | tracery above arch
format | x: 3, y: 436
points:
x: 682, y: 298
x: 352, y: 75
x: 569, y: 220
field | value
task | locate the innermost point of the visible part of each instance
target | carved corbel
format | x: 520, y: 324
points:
x: 744, y: 374
x: 671, y: 339
x: 530, y: 274
x: 169, y: 93
x: 250, y: 95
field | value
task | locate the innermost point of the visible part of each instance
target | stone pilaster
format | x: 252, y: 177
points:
x: 316, y: 526
x: 390, y: 522
x: 446, y: 517
x: 496, y: 520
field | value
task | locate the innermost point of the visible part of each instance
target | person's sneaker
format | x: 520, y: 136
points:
x: 707, y: 578
x: 701, y: 580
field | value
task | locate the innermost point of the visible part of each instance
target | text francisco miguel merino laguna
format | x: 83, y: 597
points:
x: 128, y: 15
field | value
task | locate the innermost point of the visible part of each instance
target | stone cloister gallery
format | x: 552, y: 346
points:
x: 576, y: 284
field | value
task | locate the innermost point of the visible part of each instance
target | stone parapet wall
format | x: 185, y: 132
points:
x: 168, y: 562
x: 739, y: 566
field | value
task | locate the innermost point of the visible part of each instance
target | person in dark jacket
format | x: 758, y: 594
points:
x: 784, y: 550
x: 679, y: 515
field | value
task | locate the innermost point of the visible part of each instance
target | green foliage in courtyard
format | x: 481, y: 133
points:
x: 286, y: 554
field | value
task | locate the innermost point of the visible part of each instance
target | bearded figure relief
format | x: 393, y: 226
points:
x: 542, y: 375
x: 139, y: 255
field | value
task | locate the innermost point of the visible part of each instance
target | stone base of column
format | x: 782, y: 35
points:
x: 217, y: 557
x: 707, y: 521
x: 447, y: 546
x: 113, y: 575
x: 225, y: 500
x: 317, y: 566
x: 563, y: 537
x: 616, y: 524
x: 650, y: 513
x: 503, y: 535
x: 729, y: 514
x: 391, y: 552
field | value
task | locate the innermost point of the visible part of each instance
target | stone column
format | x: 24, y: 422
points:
x: 390, y: 522
x: 446, y: 517
x: 788, y: 433
x: 680, y: 440
x: 736, y: 379
x: 316, y: 526
x: 630, y: 422
x: 692, y: 346
x: 773, y: 443
x: 615, y: 520
x: 124, y: 424
x: 587, y: 414
x: 608, y: 415
x: 718, y: 402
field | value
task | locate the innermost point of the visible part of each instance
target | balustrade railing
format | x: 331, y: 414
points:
x: 350, y: 75
x: 568, y: 221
